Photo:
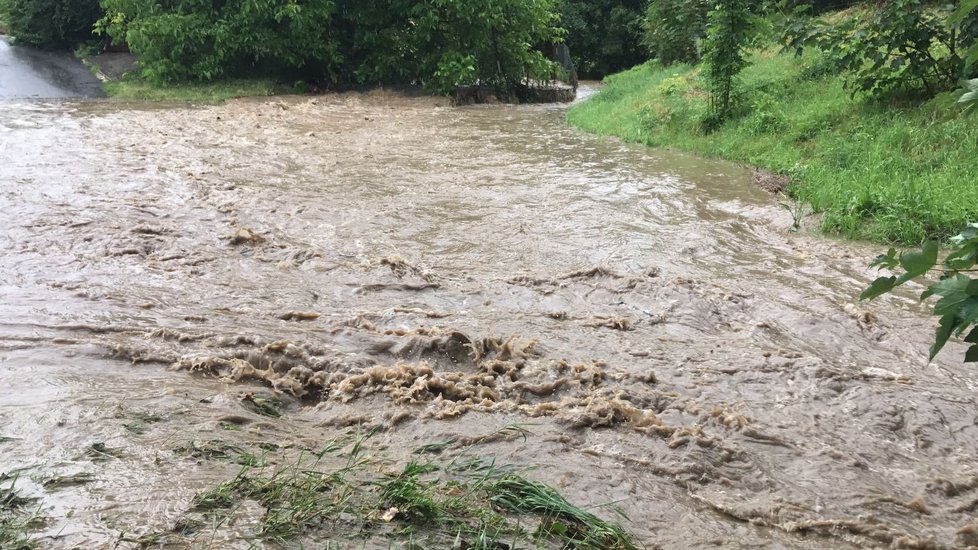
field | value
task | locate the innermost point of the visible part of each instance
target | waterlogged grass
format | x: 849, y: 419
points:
x: 345, y: 493
x: 18, y: 516
x: 134, y: 88
x: 889, y: 172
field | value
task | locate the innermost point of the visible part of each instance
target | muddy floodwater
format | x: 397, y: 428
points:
x: 441, y: 273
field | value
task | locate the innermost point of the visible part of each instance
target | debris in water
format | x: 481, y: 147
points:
x: 246, y: 236
x: 58, y: 482
x: 99, y: 451
x: 263, y: 405
x: 299, y: 316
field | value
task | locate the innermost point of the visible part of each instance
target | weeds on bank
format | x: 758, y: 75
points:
x: 884, y: 171
x: 135, y: 88
x: 465, y: 502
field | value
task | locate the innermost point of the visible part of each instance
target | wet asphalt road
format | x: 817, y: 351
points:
x: 30, y: 73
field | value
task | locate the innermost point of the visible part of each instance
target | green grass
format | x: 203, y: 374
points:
x: 887, y: 172
x: 135, y: 88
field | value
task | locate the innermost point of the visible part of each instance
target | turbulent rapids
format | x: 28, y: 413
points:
x: 441, y: 273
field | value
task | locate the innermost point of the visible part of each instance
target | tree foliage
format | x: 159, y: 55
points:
x: 674, y: 27
x: 438, y: 43
x: 604, y: 36
x: 815, y: 7
x: 50, y: 23
x: 901, y: 46
x: 729, y: 32
x: 965, y: 16
x: 190, y: 39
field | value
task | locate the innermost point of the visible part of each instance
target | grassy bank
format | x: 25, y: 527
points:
x: 133, y: 88
x: 887, y: 172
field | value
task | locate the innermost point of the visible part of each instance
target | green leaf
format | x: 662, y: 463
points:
x: 972, y: 337
x: 918, y: 263
x: 964, y: 8
x: 888, y: 260
x: 941, y: 335
x: 953, y: 292
x: 963, y: 259
x: 879, y: 287
x: 967, y: 314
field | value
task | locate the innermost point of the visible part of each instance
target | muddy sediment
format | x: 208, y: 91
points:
x: 273, y: 272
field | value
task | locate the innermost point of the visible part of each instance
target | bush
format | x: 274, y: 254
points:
x: 816, y: 7
x: 440, y: 45
x: 50, y: 23
x: 185, y: 41
x: 673, y: 28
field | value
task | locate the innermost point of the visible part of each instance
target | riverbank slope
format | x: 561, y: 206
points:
x: 887, y: 172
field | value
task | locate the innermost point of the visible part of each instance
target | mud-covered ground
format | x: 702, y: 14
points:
x: 438, y: 272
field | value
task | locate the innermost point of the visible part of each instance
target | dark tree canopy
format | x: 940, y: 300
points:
x: 604, y: 36
x: 50, y: 23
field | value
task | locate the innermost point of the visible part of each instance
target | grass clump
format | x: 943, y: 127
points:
x: 464, y: 502
x: 561, y: 519
x: 887, y: 171
x: 135, y: 88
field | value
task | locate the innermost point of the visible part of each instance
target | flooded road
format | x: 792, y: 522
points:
x: 442, y: 273
x: 28, y: 72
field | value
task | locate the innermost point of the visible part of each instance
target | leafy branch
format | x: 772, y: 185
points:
x: 957, y: 304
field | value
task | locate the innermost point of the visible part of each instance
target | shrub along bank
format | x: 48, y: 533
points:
x: 440, y: 45
x: 885, y: 170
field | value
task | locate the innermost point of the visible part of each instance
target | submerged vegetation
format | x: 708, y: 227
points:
x: 18, y: 516
x: 346, y: 493
x: 343, y: 492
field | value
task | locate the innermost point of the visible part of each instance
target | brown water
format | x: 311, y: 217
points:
x: 444, y: 272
